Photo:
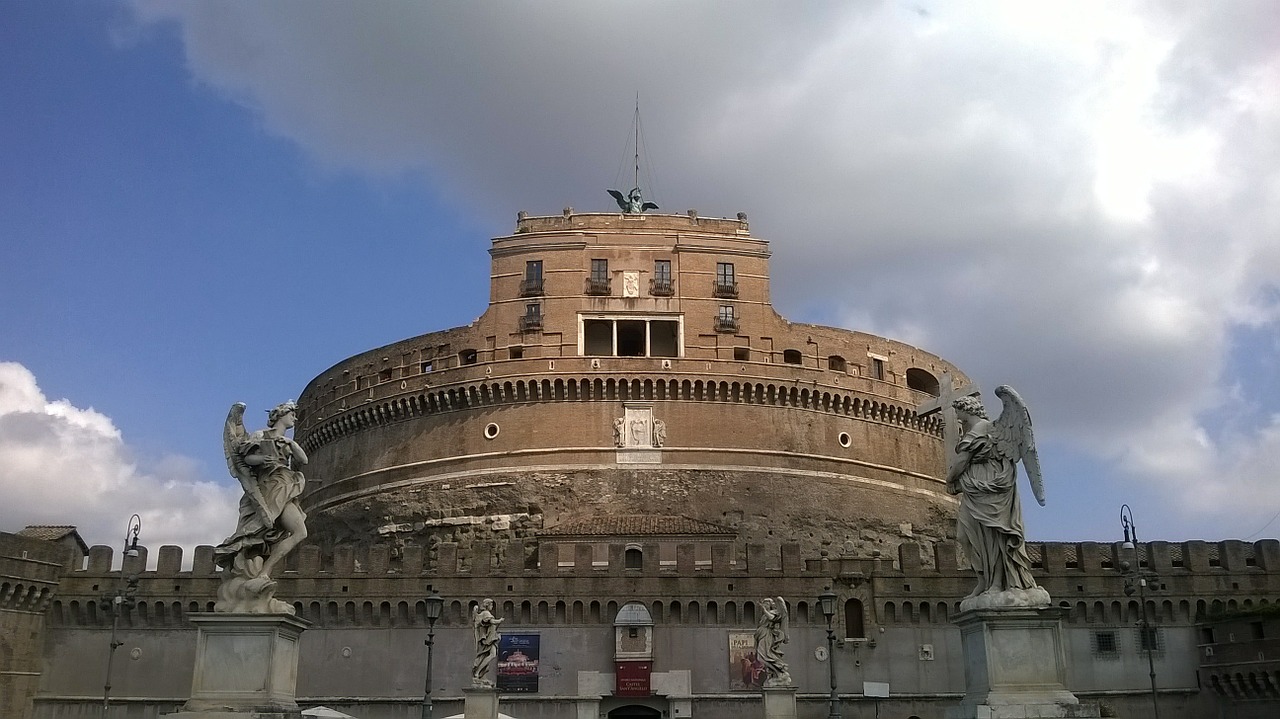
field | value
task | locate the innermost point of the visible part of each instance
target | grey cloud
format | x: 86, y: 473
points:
x: 933, y: 173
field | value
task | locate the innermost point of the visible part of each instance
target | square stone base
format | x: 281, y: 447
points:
x: 246, y: 666
x: 779, y: 702
x: 1015, y: 666
x: 480, y: 703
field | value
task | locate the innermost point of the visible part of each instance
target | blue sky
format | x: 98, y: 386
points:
x: 210, y: 203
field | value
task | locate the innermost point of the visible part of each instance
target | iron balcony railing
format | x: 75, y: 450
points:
x: 725, y: 290
x: 531, y: 287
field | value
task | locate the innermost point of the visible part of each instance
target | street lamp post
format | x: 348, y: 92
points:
x: 434, y: 605
x: 827, y: 602
x: 1134, y: 575
x: 121, y: 600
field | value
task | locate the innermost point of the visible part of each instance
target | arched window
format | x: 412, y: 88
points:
x: 922, y: 381
x: 836, y: 363
x: 633, y: 558
x: 792, y: 357
x: 853, y: 626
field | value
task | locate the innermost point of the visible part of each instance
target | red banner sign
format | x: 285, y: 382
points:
x: 632, y: 679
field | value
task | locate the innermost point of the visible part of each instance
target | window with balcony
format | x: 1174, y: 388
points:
x: 726, y: 281
x: 630, y: 337
x: 661, y: 285
x: 598, y: 281
x: 531, y: 285
x: 726, y: 321
x: 532, y: 318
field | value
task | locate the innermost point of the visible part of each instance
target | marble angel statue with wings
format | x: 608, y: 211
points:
x: 989, y: 527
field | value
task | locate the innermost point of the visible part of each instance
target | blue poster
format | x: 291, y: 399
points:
x: 518, y: 663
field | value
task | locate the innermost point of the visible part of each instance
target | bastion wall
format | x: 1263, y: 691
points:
x: 365, y: 604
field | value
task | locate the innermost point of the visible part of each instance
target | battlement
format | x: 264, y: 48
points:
x: 709, y: 582
x: 548, y: 558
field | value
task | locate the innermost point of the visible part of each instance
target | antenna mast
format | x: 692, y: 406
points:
x: 637, y: 124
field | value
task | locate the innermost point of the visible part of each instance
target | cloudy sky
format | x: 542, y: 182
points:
x: 212, y: 202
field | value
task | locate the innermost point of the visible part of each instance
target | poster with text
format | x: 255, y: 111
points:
x: 746, y: 672
x: 518, y: 662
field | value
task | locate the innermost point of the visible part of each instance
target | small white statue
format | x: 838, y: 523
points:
x: 485, y: 627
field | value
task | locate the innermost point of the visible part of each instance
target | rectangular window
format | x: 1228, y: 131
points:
x: 598, y: 282
x: 726, y: 283
x: 1149, y: 639
x: 532, y: 282
x: 532, y: 319
x: 515, y: 352
x: 742, y: 354
x: 662, y: 270
x: 1106, y: 644
x: 877, y: 368
x: 660, y: 285
x: 725, y: 320
x: 426, y: 367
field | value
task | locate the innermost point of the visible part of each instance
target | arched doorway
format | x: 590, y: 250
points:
x: 634, y: 711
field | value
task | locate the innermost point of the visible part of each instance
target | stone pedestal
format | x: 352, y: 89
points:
x: 779, y: 702
x: 480, y: 703
x: 246, y: 666
x: 1015, y: 666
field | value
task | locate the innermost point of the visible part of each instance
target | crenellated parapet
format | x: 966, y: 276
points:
x: 550, y: 581
x: 1187, y: 581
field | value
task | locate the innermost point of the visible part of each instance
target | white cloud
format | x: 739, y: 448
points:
x: 1081, y: 200
x: 60, y: 464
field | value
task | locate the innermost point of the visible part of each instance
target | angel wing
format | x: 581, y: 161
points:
x: 233, y: 433
x: 475, y: 622
x: 648, y: 206
x: 784, y: 617
x: 621, y: 199
x: 1014, y: 439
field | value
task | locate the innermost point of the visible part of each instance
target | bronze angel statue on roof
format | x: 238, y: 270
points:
x: 270, y: 524
x: 989, y: 528
x: 632, y: 203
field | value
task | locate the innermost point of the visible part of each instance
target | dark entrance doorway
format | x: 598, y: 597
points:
x: 635, y: 711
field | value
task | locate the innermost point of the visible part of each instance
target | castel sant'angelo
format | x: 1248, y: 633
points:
x: 629, y: 365
x: 628, y: 450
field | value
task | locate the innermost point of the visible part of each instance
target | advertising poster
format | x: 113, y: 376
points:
x: 518, y: 663
x: 745, y: 671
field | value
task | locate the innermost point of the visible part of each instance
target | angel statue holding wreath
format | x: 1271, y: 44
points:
x: 271, y: 523
x: 989, y: 528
